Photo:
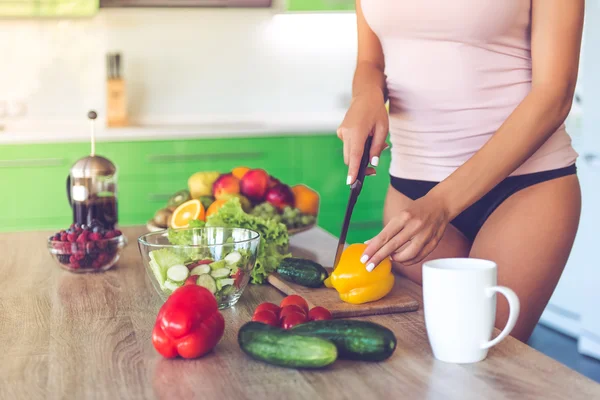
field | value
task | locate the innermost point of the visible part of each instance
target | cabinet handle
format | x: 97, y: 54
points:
x: 367, y: 225
x: 203, y: 156
x: 27, y: 163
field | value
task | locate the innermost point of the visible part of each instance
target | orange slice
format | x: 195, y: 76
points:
x: 190, y: 210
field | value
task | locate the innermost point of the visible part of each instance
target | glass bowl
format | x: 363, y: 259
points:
x: 219, y: 259
x: 91, y: 256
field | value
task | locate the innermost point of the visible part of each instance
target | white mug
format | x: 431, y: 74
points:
x: 459, y: 296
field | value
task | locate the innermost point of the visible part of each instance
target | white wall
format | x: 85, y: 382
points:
x: 179, y: 64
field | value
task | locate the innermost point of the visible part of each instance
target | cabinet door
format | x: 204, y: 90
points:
x: 48, y: 8
x: 320, y: 5
x: 33, y: 179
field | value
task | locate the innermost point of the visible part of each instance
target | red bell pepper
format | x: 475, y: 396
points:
x: 189, y: 324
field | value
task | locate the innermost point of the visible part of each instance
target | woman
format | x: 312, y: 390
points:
x: 481, y: 163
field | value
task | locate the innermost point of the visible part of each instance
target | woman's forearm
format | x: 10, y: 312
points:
x: 369, y: 78
x: 525, y: 131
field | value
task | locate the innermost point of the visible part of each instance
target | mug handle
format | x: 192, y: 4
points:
x: 514, y: 306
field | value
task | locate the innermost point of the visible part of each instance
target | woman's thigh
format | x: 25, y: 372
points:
x: 453, y: 243
x: 530, y: 236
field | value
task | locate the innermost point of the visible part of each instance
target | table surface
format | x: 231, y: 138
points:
x: 70, y: 336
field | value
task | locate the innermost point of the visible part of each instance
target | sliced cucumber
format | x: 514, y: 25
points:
x: 221, y: 283
x: 207, y: 282
x: 233, y: 258
x: 218, y: 264
x: 226, y: 290
x: 172, y: 286
x: 221, y: 273
x: 178, y: 273
x: 200, y: 270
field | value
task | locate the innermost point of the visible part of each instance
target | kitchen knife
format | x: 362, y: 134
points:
x: 354, y: 192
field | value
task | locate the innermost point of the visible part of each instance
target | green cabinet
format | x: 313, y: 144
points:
x: 320, y: 5
x: 34, y: 177
x: 48, y: 8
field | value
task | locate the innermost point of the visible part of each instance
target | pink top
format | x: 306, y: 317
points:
x: 455, y: 71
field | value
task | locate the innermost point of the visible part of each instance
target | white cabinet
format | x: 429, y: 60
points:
x: 574, y: 309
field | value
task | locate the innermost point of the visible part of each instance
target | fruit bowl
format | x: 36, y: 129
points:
x: 87, y: 256
x: 259, y: 193
x: 219, y: 259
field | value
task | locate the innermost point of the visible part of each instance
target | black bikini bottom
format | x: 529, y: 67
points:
x: 470, y: 221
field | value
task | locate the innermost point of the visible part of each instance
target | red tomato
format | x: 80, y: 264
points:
x: 266, y: 317
x: 269, y: 307
x: 295, y: 300
x: 319, y: 314
x: 288, y: 310
x: 293, y: 320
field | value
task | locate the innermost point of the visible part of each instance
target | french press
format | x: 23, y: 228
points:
x: 92, y: 187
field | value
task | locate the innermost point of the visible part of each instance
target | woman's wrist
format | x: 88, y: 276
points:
x: 448, y: 199
x: 372, y: 91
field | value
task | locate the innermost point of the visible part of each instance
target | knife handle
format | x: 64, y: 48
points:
x: 364, y: 163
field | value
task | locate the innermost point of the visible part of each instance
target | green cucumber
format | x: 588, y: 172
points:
x: 171, y: 285
x: 178, y: 273
x: 218, y: 264
x: 355, y: 340
x: 200, y: 269
x: 221, y: 283
x: 279, y: 347
x: 207, y: 282
x: 220, y: 273
x: 233, y: 258
x: 303, y: 272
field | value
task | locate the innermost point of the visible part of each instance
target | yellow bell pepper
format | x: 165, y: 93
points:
x: 352, y: 281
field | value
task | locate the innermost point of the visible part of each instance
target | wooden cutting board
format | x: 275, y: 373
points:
x: 395, y: 302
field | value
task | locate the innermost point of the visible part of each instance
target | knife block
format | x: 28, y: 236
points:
x: 116, y: 103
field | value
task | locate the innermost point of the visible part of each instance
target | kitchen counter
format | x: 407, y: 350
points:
x: 72, y: 336
x: 181, y: 128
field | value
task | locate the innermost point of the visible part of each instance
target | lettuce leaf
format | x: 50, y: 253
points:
x: 274, y: 240
x: 184, y: 237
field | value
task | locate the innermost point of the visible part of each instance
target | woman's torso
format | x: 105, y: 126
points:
x: 455, y: 71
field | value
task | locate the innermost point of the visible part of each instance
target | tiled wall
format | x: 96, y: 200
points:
x: 179, y: 63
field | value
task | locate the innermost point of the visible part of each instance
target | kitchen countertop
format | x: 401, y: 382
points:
x: 183, y: 128
x: 64, y: 335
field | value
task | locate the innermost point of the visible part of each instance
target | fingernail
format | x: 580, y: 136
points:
x: 370, y: 267
x: 375, y: 161
x: 367, y: 241
x: 364, y: 258
x: 348, y: 180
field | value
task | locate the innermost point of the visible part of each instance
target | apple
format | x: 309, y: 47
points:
x: 254, y: 185
x: 280, y: 196
x: 273, y: 182
x: 224, y: 185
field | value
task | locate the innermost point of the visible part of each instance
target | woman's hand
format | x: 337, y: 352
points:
x: 366, y: 116
x: 411, y: 236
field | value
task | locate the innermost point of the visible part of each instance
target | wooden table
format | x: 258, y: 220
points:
x: 69, y: 336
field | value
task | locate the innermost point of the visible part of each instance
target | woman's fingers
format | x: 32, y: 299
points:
x: 357, y: 147
x: 395, y: 235
x: 378, y: 144
x: 371, y: 171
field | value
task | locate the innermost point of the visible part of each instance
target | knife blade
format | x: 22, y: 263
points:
x: 354, y: 192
